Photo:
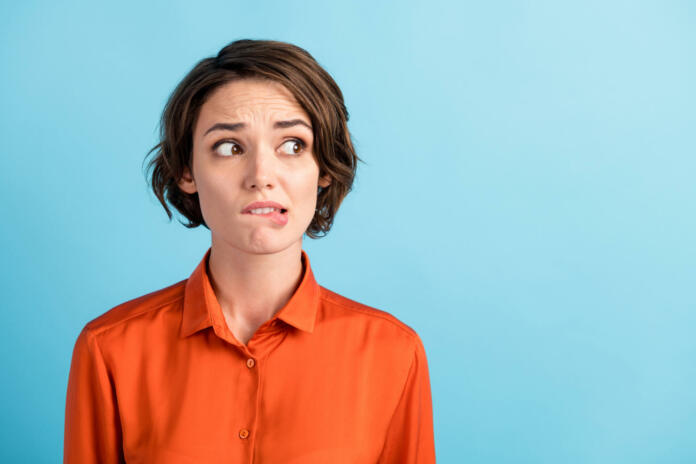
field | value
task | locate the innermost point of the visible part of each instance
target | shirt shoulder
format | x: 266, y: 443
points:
x: 131, y: 310
x: 336, y: 305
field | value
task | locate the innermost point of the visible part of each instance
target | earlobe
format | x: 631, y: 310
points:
x: 187, y: 183
x: 324, y: 181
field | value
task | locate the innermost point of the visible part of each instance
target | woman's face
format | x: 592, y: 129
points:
x: 253, y: 142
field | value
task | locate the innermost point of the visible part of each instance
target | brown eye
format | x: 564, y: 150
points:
x: 294, y: 146
x: 229, y: 149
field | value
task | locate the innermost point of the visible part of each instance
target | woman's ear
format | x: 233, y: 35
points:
x: 324, y: 181
x: 187, y: 183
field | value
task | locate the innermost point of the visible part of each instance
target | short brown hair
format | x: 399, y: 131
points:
x: 313, y: 88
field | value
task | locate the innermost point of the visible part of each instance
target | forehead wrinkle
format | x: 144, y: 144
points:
x: 253, y: 103
x: 261, y: 95
x: 266, y: 114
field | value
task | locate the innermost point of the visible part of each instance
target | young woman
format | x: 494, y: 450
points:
x: 250, y: 360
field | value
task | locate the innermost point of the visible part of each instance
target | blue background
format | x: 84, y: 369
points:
x: 527, y: 204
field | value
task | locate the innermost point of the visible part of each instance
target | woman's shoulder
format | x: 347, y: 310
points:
x: 138, y: 308
x: 336, y: 305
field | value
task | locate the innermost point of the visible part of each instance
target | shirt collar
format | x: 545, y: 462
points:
x: 202, y: 310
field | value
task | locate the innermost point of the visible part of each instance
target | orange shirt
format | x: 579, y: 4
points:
x: 161, y: 379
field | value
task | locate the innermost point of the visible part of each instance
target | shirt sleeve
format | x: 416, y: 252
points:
x: 92, y: 427
x: 410, y: 438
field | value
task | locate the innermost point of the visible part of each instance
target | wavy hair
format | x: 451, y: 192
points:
x: 285, y: 63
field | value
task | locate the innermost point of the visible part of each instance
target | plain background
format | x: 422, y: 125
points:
x: 527, y: 204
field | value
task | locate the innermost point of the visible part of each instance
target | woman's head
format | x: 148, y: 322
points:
x: 209, y: 174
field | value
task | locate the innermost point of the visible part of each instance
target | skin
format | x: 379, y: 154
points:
x: 255, y: 265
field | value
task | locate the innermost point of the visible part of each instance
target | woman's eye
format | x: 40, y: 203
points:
x: 228, y: 148
x: 293, y: 146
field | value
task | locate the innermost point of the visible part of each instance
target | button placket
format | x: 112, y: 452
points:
x: 250, y: 363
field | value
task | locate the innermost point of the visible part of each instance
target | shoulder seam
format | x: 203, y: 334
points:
x: 410, y: 331
x: 100, y: 330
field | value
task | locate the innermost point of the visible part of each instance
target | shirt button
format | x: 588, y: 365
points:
x: 243, y: 433
x: 250, y: 362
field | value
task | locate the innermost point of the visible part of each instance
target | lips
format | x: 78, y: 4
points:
x: 278, y: 216
x: 275, y: 216
x: 264, y: 204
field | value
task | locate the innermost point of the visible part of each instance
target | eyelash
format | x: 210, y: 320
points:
x: 302, y: 143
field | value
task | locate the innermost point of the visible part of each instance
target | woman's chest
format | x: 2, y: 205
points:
x: 275, y: 409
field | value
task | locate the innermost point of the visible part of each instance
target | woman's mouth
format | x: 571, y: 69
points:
x: 278, y: 216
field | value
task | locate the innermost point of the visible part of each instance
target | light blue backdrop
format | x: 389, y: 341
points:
x: 527, y: 205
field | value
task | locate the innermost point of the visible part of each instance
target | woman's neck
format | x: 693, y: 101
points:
x: 252, y: 287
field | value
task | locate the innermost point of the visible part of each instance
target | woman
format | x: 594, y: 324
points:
x: 250, y: 359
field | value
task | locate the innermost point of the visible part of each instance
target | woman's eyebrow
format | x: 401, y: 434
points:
x: 240, y: 125
x: 290, y: 123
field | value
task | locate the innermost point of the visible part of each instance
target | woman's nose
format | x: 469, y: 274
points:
x: 261, y: 168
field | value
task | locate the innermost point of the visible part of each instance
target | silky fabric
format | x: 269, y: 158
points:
x: 162, y: 379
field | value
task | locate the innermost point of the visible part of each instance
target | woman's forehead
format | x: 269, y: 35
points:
x: 252, y: 98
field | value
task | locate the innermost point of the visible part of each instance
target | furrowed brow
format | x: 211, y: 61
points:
x: 240, y: 125
x: 226, y: 126
x: 291, y: 123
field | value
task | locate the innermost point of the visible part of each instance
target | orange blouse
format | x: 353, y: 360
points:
x: 161, y: 379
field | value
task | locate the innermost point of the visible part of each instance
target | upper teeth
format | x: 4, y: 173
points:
x: 262, y: 210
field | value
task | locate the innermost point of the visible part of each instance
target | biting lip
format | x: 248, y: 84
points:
x: 263, y: 204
